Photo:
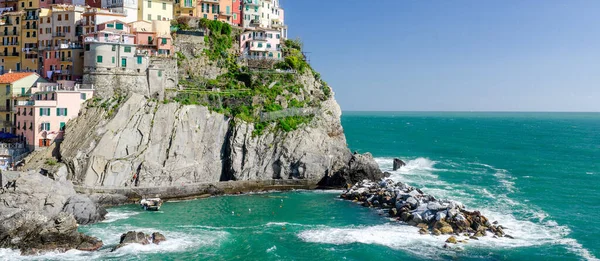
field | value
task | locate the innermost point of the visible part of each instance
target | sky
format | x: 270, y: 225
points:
x: 460, y: 55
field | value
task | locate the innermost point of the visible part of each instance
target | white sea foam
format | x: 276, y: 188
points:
x: 271, y: 249
x: 176, y: 242
x: 113, y: 216
x: 531, y: 228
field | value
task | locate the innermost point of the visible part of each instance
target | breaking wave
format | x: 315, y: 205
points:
x: 528, y: 224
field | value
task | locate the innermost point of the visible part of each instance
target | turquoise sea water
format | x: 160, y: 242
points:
x: 535, y: 173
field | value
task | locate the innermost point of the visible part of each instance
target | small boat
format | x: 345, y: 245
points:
x: 152, y: 204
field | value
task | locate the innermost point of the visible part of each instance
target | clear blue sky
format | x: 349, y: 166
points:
x: 440, y: 55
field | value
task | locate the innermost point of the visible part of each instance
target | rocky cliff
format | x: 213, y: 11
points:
x: 149, y: 143
x: 223, y: 122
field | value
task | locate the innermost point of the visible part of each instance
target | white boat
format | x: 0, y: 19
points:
x: 152, y: 204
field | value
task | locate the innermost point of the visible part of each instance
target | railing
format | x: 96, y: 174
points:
x: 260, y: 37
x: 58, y: 34
x: 211, y: 1
x: 256, y: 57
x: 13, y: 33
x: 11, y: 43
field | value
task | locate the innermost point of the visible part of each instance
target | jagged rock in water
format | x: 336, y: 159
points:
x: 133, y: 237
x: 32, y: 216
x: 158, y: 237
x: 451, y: 240
x: 398, y: 163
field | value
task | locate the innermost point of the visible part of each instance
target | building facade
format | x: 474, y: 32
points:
x: 127, y: 8
x: 153, y: 38
x: 17, y: 86
x: 184, y: 8
x: 59, y: 40
x: 42, y: 119
x: 155, y: 10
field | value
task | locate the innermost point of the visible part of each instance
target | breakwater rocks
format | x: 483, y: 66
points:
x: 433, y: 216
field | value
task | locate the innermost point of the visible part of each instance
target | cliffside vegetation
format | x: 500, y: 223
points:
x: 249, y: 93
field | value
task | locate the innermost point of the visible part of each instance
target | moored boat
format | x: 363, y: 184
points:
x: 152, y: 204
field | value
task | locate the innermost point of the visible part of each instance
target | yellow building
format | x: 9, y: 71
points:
x: 10, y: 29
x: 184, y: 8
x: 29, y: 35
x: 16, y: 85
x: 149, y: 10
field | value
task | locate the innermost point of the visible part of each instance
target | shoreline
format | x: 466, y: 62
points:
x: 194, y: 191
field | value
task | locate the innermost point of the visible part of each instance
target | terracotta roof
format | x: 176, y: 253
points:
x: 13, y: 77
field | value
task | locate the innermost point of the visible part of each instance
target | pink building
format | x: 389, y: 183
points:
x: 261, y: 43
x: 153, y: 37
x: 42, y: 119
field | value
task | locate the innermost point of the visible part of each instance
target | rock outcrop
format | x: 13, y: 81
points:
x: 146, y: 143
x: 411, y: 206
x: 133, y: 237
x: 398, y: 163
x: 38, y: 214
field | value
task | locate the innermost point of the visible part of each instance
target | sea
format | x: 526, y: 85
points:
x: 537, y: 174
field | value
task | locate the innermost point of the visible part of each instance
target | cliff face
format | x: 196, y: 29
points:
x: 147, y: 143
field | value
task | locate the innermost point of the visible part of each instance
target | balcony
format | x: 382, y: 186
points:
x: 32, y: 17
x: 59, y: 34
x: 251, y: 3
x: 11, y: 43
x: 259, y: 38
x: 13, y: 33
x: 68, y: 46
x: 255, y: 22
x: 66, y: 59
x: 25, y: 103
x: 210, y: 1
x: 226, y: 14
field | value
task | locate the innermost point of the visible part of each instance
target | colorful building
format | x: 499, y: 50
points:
x: 42, y: 119
x: 95, y: 16
x: 153, y: 38
x: 59, y: 40
x: 127, y: 8
x: 29, y: 36
x: 10, y: 52
x: 208, y: 9
x: 261, y: 43
x: 184, y: 8
x: 236, y: 7
x: 155, y: 10
x: 16, y: 86
x: 113, y: 46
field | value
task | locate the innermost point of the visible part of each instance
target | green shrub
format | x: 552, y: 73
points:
x: 51, y: 162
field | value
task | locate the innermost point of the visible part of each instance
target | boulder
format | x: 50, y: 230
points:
x: 398, y: 163
x: 133, y: 237
x: 84, y: 209
x: 451, y: 240
x: 158, y: 237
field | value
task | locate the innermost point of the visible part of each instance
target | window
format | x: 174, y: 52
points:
x: 62, y: 126
x: 164, y: 41
x: 66, y: 16
x: 123, y: 62
x: 149, y: 17
x: 260, y: 45
x: 205, y: 16
x: 59, y: 17
x: 87, y: 47
x: 164, y: 6
x: 149, y: 39
x: 99, y: 59
x: 82, y: 95
x: 149, y: 4
x: 159, y: 73
x: 61, y: 111
x: 234, y: 16
x: 119, y: 26
x: 110, y: 25
x: 114, y: 48
x: 127, y: 49
x: 158, y: 17
x: 139, y: 60
x: 44, y: 111
x: 113, y: 59
x: 45, y: 126
x: 268, y: 45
